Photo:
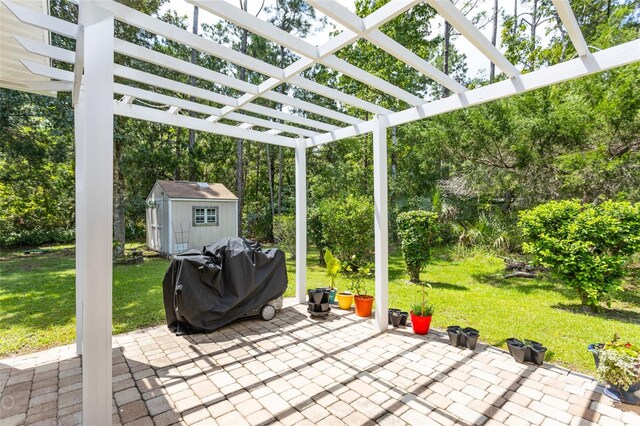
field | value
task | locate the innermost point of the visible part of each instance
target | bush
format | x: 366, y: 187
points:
x: 36, y: 237
x: 418, y: 231
x: 586, y: 246
x: 284, y: 233
x: 347, y: 228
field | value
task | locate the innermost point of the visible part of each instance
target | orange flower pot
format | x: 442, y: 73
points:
x: 364, y: 304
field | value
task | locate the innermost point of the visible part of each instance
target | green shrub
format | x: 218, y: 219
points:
x: 347, y: 227
x: 418, y: 230
x: 284, y: 233
x: 586, y: 246
x: 315, y: 233
x: 36, y: 237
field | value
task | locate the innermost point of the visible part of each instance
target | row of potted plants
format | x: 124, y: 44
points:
x: 421, y: 313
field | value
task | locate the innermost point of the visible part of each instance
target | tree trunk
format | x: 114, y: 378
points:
x: 119, y: 225
x: 447, y: 41
x: 534, y: 26
x: 515, y: 17
x: 192, y: 81
x: 494, y: 36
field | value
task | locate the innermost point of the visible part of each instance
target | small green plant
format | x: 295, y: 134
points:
x: 418, y: 230
x: 423, y: 310
x: 357, y: 276
x: 587, y: 246
x: 333, y: 267
x: 619, y: 363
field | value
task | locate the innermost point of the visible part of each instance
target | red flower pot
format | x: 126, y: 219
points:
x: 420, y: 324
x: 363, y: 305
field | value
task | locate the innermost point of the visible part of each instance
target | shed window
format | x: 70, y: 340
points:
x: 205, y: 215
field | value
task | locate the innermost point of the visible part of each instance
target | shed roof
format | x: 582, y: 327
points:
x: 187, y: 189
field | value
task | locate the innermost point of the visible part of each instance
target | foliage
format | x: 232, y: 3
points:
x: 357, y: 275
x: 36, y: 237
x: 423, y: 309
x: 284, y: 233
x: 347, y: 227
x: 489, y: 232
x: 587, y: 246
x: 418, y: 231
x: 333, y: 266
x: 619, y: 363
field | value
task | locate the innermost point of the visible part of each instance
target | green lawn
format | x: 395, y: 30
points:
x: 37, y: 302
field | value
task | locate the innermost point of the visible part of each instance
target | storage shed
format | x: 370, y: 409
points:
x: 189, y: 215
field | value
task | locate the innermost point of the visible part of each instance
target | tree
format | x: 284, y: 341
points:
x: 418, y: 231
x: 587, y: 246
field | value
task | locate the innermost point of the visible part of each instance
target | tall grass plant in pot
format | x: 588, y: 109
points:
x: 421, y: 313
x: 333, y: 265
x: 364, y: 302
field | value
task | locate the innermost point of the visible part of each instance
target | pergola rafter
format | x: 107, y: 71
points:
x: 97, y: 97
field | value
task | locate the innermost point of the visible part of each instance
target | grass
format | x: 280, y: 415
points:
x: 37, y: 302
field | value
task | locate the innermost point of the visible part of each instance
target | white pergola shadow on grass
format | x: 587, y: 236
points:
x: 97, y: 98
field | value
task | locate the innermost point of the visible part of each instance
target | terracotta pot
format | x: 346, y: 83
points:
x: 363, y: 305
x: 420, y: 324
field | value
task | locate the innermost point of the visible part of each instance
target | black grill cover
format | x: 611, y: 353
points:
x: 205, y: 290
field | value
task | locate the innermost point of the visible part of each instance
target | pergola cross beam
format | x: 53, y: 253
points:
x: 353, y: 22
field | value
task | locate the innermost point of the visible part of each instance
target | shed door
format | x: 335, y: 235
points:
x: 156, y: 227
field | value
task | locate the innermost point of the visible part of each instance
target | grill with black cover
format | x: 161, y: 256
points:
x: 206, y: 290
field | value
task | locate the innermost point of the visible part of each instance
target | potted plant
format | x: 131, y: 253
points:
x: 618, y: 364
x: 421, y: 313
x: 333, y: 269
x: 364, y: 302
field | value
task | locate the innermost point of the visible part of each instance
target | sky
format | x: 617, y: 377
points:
x: 477, y: 64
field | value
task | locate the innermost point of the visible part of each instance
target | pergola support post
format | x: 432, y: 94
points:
x: 95, y: 211
x: 82, y: 237
x: 301, y: 221
x: 381, y: 222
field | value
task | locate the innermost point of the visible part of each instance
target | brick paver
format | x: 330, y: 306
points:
x: 303, y: 371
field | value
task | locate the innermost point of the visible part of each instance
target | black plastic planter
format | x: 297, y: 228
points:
x: 391, y: 311
x: 317, y: 296
x: 318, y: 304
x: 403, y: 320
x: 396, y: 317
x: 527, y: 351
x: 513, y: 341
x: 463, y: 336
x: 455, y: 335
x: 537, y: 354
x: 470, y: 337
x: 520, y: 352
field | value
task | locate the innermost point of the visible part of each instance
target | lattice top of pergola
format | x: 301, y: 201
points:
x: 278, y: 123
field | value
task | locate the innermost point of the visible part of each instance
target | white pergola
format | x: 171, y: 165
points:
x: 97, y: 98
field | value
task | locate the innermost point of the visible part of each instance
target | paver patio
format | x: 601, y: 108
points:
x: 298, y: 370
